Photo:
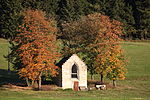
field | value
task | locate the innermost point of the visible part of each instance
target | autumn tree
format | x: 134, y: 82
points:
x: 94, y: 36
x: 110, y: 60
x: 38, y: 48
x: 106, y: 45
x: 116, y: 64
x: 77, y: 36
x: 111, y: 64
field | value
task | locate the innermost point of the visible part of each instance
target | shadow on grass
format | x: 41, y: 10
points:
x: 10, y: 78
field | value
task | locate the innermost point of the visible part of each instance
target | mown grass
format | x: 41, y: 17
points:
x: 139, y: 58
x: 135, y: 87
x: 113, y: 94
x: 3, y: 52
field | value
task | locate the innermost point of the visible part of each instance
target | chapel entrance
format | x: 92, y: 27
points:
x: 76, y: 86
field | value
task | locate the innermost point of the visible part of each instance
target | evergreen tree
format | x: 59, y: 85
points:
x: 122, y: 12
x: 118, y: 10
x: 32, y: 4
x: 66, y: 10
x: 49, y: 6
x: 130, y: 29
x: 71, y: 9
x: 143, y: 8
x: 10, y: 17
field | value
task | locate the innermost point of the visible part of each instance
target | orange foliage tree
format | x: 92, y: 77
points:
x: 110, y: 60
x: 37, y: 43
x: 98, y: 37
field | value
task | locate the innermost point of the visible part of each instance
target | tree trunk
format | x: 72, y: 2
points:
x: 101, y: 77
x: 27, y: 81
x: 142, y: 36
x: 8, y: 60
x: 39, y: 82
x: 114, y: 83
x: 32, y: 84
x: 92, y: 77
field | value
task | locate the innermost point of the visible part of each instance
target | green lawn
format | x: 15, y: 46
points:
x: 3, y: 52
x: 135, y: 87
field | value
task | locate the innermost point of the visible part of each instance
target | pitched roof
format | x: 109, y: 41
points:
x: 64, y: 60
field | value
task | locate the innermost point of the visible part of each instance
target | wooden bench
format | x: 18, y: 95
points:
x: 101, y: 87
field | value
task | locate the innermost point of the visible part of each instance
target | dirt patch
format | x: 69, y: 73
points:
x: 137, y: 98
x: 50, y: 87
x: 20, y: 88
x: 11, y: 86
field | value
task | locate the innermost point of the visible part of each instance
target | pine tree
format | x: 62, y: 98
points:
x: 143, y: 8
x: 32, y: 4
x: 122, y: 12
x: 66, y: 10
x: 117, y: 9
x: 10, y: 17
x: 71, y: 9
x: 129, y: 24
x: 49, y: 6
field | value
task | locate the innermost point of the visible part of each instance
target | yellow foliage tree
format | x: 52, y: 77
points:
x: 110, y: 60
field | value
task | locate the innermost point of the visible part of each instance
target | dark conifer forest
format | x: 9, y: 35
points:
x: 134, y: 14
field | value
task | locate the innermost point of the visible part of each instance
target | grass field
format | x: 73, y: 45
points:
x: 3, y: 52
x: 135, y: 87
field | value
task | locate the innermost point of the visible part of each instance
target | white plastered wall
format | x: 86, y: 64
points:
x: 67, y: 81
